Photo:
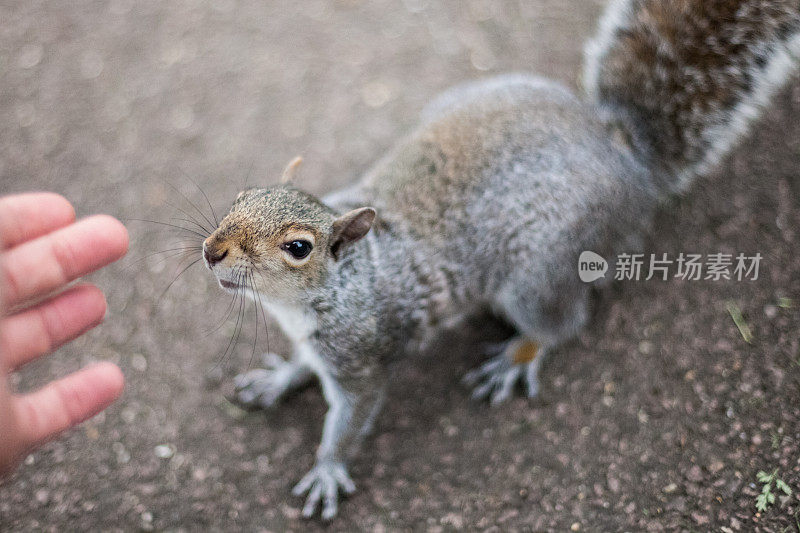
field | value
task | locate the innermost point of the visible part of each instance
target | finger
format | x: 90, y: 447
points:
x: 506, y: 386
x: 304, y: 483
x: 312, y: 500
x: 483, y: 390
x: 38, y: 267
x: 26, y: 216
x: 330, y: 501
x: 62, y: 404
x: 40, y: 330
x: 344, y: 479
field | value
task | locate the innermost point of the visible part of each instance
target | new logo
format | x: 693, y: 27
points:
x: 591, y: 266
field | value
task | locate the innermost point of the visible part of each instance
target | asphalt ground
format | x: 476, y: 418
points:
x: 658, y: 417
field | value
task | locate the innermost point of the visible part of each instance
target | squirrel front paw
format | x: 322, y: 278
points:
x: 323, y: 483
x: 263, y: 387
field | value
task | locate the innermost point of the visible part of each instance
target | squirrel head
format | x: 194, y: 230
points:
x: 279, y: 242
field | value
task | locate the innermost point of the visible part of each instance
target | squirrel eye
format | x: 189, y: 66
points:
x: 298, y: 249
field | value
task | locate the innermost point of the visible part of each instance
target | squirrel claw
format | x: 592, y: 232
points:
x: 323, y: 483
x: 263, y: 387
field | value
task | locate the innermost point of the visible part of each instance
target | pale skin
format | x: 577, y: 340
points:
x: 44, y: 250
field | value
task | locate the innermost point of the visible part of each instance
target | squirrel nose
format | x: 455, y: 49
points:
x: 213, y: 255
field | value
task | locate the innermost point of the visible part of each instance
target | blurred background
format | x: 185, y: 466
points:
x: 657, y: 418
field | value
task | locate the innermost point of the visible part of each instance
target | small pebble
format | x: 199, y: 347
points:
x: 26, y: 114
x: 699, y: 518
x: 128, y: 415
x: 482, y: 59
x: 376, y: 94
x: 139, y: 362
x: 164, y: 451
x: 292, y: 513
x: 91, y: 65
x: 182, y: 116
x: 30, y: 56
x: 43, y: 496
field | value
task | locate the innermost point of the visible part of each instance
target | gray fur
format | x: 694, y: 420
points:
x: 485, y: 206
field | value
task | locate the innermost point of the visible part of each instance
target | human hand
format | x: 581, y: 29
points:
x: 44, y: 250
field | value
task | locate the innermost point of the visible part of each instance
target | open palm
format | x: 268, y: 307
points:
x: 44, y: 250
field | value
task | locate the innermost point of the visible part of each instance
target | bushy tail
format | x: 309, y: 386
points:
x: 687, y: 77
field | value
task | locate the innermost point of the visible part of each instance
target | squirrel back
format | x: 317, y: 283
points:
x: 686, y: 78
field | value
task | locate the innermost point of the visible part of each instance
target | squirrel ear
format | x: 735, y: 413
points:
x: 350, y: 227
x: 291, y: 168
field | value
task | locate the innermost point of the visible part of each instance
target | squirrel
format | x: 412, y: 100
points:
x: 487, y: 205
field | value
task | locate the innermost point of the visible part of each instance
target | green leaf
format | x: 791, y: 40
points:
x: 761, y: 503
x: 770, y: 498
x: 763, y: 477
x: 779, y: 483
x: 741, y: 324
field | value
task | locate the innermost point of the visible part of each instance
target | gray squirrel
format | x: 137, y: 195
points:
x: 487, y: 205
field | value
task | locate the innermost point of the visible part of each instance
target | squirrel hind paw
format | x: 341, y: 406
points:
x: 496, y: 379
